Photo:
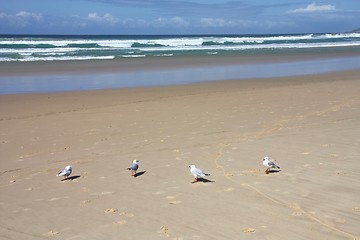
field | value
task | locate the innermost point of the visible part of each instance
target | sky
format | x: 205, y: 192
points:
x: 128, y: 17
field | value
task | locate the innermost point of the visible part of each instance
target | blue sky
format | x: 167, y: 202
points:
x: 177, y: 16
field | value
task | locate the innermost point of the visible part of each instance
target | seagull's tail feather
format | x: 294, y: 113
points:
x: 128, y: 168
x: 207, y: 174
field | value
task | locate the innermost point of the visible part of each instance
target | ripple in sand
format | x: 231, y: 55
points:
x: 230, y: 189
x: 305, y: 153
x: 102, y: 193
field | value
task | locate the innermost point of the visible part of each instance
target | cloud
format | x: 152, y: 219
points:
x: 169, y: 22
x: 106, y: 18
x: 22, y: 18
x: 314, y: 8
x: 215, y: 22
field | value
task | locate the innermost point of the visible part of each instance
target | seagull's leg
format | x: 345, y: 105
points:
x: 195, y: 180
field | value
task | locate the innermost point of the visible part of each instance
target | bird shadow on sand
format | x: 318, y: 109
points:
x: 204, y: 180
x: 273, y: 171
x: 139, y: 174
x: 71, y: 178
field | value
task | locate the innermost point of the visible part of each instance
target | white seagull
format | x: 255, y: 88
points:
x: 269, y: 164
x: 198, y: 173
x: 134, y: 167
x: 65, y: 172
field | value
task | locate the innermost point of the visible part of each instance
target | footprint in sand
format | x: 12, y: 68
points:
x: 127, y: 214
x: 85, y: 203
x: 111, y: 210
x: 296, y: 210
x: 356, y: 209
x: 252, y: 171
x: 173, y: 201
x: 248, y: 230
x: 340, y: 172
x: 51, y: 233
x: 164, y: 231
x: 120, y: 222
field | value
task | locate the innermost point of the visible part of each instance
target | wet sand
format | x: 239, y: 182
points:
x: 309, y: 125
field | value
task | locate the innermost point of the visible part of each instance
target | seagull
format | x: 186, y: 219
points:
x: 197, y: 173
x: 269, y: 164
x: 134, y: 167
x: 65, y: 172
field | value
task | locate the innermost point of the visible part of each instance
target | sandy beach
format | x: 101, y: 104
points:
x: 309, y: 125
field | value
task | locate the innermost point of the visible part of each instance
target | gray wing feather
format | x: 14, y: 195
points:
x: 133, y: 167
x: 273, y: 165
x: 198, y: 172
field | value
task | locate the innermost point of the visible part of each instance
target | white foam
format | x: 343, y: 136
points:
x: 64, y: 58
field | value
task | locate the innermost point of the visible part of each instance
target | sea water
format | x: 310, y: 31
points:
x: 83, y: 48
x: 64, y: 48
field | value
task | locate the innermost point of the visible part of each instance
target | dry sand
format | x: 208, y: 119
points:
x: 309, y: 125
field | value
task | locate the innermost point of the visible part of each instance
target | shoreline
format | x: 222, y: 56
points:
x: 84, y: 99
x: 88, y: 76
x: 159, y: 63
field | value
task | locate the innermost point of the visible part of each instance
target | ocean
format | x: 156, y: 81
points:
x: 16, y: 48
x: 65, y: 48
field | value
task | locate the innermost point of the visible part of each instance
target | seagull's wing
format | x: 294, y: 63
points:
x: 133, y: 166
x: 273, y: 165
x: 62, y: 173
x: 198, y: 172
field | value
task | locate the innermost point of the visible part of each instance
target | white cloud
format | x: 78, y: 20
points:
x: 169, y: 22
x: 216, y: 22
x: 107, y: 18
x: 314, y: 8
x: 22, y: 18
x: 29, y: 16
